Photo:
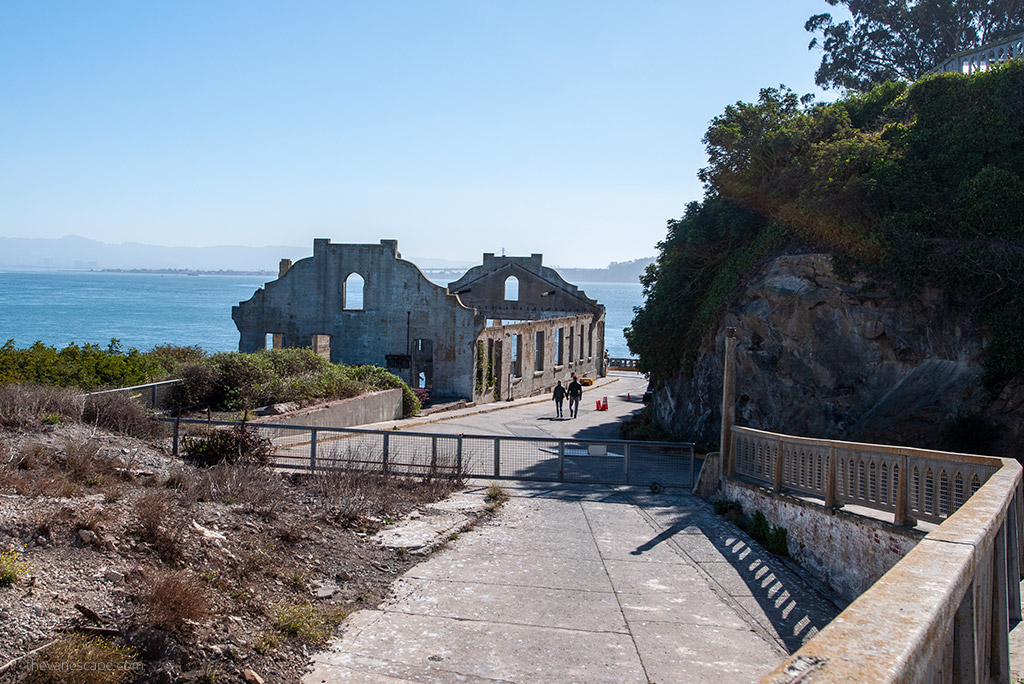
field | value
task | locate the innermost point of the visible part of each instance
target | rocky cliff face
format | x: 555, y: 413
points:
x: 818, y: 356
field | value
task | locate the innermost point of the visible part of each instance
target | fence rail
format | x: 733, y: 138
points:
x: 910, y: 483
x: 304, y: 447
x: 153, y: 395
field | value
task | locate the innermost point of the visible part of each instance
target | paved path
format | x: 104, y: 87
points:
x: 575, y: 583
x: 582, y: 583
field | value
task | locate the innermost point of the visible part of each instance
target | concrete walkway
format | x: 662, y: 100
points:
x: 581, y: 583
x: 573, y: 583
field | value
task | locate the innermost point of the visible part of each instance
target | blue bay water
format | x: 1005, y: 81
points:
x: 143, y: 310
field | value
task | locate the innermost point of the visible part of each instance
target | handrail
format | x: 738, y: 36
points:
x: 980, y: 58
x: 942, y: 613
x: 909, y: 482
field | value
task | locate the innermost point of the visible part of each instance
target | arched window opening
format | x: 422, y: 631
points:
x: 352, y: 293
x: 511, y: 289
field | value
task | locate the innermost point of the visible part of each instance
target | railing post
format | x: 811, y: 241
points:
x: 777, y: 480
x: 433, y: 453
x: 561, y: 460
x: 693, y: 471
x: 312, y: 450
x: 625, y: 462
x: 830, y: 480
x: 901, y: 517
x: 497, y: 457
x: 1000, y: 609
x: 728, y: 402
x: 458, y: 455
x: 386, y: 439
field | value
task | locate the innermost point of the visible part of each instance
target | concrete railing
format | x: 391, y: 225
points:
x: 621, y: 363
x: 933, y: 484
x: 980, y: 59
x: 943, y: 612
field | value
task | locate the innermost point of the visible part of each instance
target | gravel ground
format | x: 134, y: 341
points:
x: 265, y: 565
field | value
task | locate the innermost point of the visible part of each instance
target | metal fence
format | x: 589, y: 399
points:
x: 154, y: 395
x: 300, y: 447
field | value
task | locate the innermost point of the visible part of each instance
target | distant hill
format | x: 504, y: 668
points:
x: 82, y: 253
x: 74, y: 252
x: 615, y: 272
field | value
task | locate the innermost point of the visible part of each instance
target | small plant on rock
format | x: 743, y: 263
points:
x: 80, y: 659
x: 11, y: 567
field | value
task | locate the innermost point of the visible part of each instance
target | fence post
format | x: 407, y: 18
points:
x: 177, y: 422
x: 625, y: 462
x: 497, y: 457
x: 384, y: 457
x: 728, y: 401
x: 830, y: 480
x: 433, y: 454
x: 777, y: 479
x: 458, y: 455
x: 312, y: 450
x: 561, y: 460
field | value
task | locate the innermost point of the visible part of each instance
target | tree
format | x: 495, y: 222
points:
x: 888, y: 40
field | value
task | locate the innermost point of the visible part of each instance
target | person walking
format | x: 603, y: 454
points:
x: 558, y: 395
x: 575, y: 392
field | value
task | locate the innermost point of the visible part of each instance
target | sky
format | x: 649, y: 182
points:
x: 568, y: 128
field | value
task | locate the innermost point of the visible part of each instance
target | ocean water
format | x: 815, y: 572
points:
x: 143, y: 310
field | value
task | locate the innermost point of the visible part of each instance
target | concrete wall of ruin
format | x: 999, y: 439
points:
x: 403, y: 316
x: 497, y: 375
x: 542, y: 293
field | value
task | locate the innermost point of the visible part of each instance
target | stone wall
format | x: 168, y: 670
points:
x: 847, y: 552
x: 824, y: 357
x: 373, y: 407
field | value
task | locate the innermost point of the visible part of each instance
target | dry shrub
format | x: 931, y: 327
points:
x: 117, y: 412
x: 27, y: 406
x: 354, y: 488
x: 172, y: 599
x: 84, y: 461
x: 36, y: 471
x: 260, y: 489
x: 240, y: 443
x: 160, y: 529
x: 80, y: 659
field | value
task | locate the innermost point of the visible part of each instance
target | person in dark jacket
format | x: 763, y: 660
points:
x: 558, y: 395
x: 575, y: 392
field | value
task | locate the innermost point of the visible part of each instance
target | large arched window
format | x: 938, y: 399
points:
x: 352, y: 293
x: 511, y: 289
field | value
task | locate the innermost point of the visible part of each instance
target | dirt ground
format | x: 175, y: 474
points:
x: 179, y: 574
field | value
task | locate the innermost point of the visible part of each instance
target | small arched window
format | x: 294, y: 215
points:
x: 352, y: 293
x: 511, y: 289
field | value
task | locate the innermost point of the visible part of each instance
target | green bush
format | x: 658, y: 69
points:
x: 915, y: 186
x: 239, y: 444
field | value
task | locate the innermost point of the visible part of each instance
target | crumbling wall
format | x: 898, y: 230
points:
x: 400, y: 318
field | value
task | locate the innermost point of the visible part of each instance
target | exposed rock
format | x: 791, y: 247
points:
x: 822, y: 357
x: 87, y: 536
x: 251, y: 676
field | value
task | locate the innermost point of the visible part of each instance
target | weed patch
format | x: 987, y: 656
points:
x: 11, y: 568
x: 79, y: 659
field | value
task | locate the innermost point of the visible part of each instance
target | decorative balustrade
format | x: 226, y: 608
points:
x: 934, y: 484
x: 980, y: 59
x: 621, y: 363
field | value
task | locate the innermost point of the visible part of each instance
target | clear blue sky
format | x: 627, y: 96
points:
x: 568, y: 128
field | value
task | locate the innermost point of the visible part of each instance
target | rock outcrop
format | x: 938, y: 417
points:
x: 820, y: 356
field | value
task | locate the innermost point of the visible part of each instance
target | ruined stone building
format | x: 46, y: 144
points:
x: 508, y: 328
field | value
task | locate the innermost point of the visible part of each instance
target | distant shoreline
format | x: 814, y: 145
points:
x: 182, y: 271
